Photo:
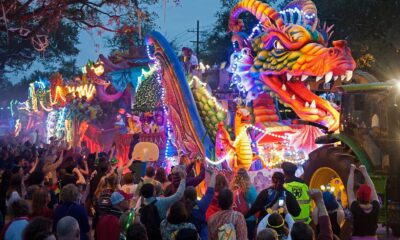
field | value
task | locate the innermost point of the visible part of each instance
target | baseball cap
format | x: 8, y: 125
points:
x: 119, y: 196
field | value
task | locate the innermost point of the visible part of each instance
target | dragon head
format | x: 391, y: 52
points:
x: 293, y: 49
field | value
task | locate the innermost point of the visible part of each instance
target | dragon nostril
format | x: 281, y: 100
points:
x: 332, y: 52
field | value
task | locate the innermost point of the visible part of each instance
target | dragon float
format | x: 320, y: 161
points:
x: 286, y: 51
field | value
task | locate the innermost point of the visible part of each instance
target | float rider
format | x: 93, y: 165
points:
x: 299, y: 189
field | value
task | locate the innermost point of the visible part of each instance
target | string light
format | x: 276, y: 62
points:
x: 209, y: 96
x: 256, y: 29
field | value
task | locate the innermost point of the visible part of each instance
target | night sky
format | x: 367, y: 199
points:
x: 178, y: 20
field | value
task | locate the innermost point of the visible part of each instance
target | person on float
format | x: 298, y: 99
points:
x: 364, y: 206
x: 299, y: 190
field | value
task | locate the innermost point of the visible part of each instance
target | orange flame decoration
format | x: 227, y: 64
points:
x: 87, y: 90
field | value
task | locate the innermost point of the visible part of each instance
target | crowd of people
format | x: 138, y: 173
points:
x: 51, y: 192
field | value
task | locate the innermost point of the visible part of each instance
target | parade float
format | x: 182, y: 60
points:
x: 280, y: 66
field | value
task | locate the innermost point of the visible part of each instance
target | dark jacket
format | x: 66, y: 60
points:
x: 268, y: 197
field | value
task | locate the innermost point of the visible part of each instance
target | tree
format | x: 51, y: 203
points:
x: 218, y: 46
x: 18, y: 54
x: 142, y: 19
x: 371, y: 29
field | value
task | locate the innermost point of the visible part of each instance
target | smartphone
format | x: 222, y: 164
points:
x: 281, y: 202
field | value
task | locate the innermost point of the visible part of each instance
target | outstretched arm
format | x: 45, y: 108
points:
x: 350, y: 185
x: 194, y: 181
x: 326, y: 232
x: 33, y: 168
x: 368, y: 180
x: 112, y: 152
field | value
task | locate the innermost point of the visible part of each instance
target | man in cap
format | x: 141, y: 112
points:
x: 299, y: 189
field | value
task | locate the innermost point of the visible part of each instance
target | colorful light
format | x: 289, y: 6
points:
x: 209, y: 96
x: 87, y: 90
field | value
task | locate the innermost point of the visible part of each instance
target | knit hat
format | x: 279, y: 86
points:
x: 330, y: 201
x: 364, y: 194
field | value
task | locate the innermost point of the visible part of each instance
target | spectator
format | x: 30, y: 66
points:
x: 136, y: 231
x: 14, y: 229
x: 276, y: 222
x: 149, y: 178
x: 226, y: 221
x: 128, y: 185
x: 15, y: 191
x: 302, y: 231
x: 107, y: 185
x: 267, y: 234
x: 161, y: 176
x: 50, y: 165
x: 108, y: 226
x: 39, y: 228
x: 100, y: 172
x: 154, y: 209
x: 269, y: 196
x: 197, y: 209
x: 335, y: 212
x: 220, y: 183
x: 68, y: 229
x: 191, y: 181
x: 364, y: 208
x: 29, y: 195
x: 245, y: 194
x: 70, y: 206
x: 177, y: 219
x: 40, y: 199
x: 299, y: 190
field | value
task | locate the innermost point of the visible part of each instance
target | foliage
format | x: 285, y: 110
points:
x: 18, y: 54
x: 372, y: 30
x: 218, y: 46
x: 47, y: 31
x: 141, y: 17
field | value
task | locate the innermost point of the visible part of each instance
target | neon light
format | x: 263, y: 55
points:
x: 87, y: 90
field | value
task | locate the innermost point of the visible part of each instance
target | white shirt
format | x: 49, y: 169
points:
x: 13, y: 198
x: 193, y: 60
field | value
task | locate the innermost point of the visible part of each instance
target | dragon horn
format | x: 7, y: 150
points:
x: 262, y: 11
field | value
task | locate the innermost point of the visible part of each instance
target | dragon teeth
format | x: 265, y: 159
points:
x: 343, y: 77
x: 328, y: 77
x: 313, y: 104
x: 288, y: 76
x: 293, y: 97
x: 319, y: 78
x: 335, y: 78
x: 308, y: 86
x: 303, y: 78
x: 306, y: 105
x: 283, y: 87
x: 349, y: 75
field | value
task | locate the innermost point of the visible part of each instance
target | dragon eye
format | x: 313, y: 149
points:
x: 278, y: 45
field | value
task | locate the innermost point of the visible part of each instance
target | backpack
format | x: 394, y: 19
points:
x: 150, y: 218
x: 227, y: 231
x: 103, y: 203
x: 239, y: 202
